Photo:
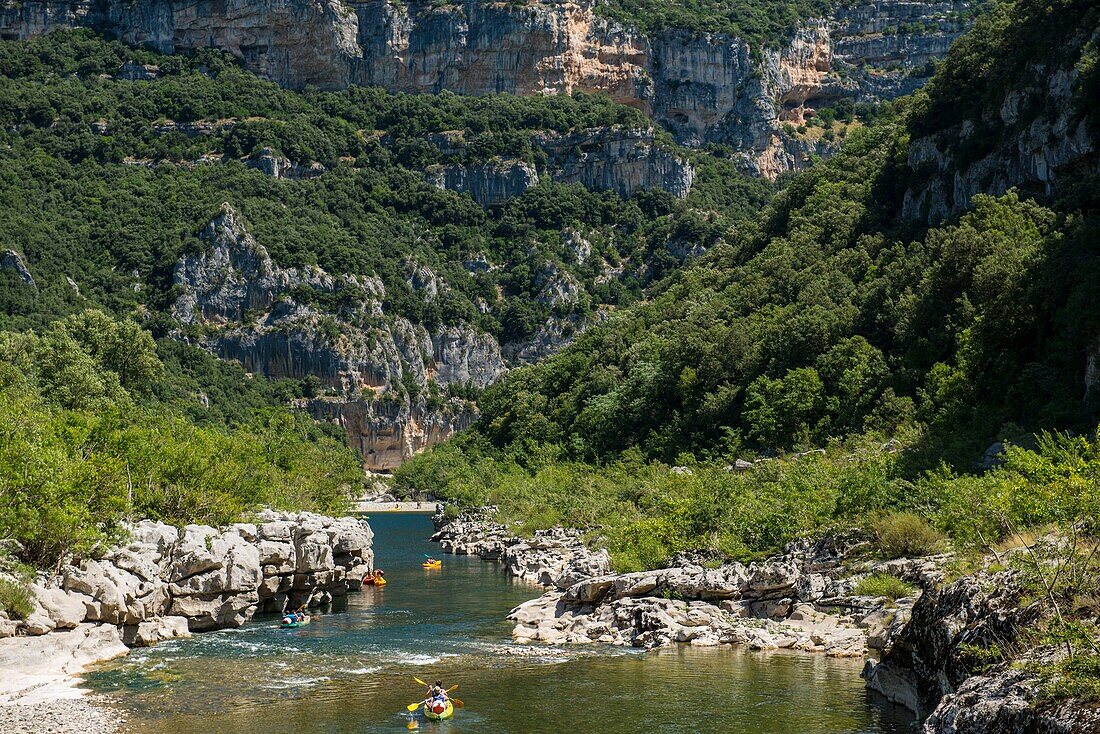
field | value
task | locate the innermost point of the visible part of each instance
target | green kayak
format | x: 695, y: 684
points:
x: 448, y: 712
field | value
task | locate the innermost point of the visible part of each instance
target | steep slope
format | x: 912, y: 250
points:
x: 394, y: 252
x: 732, y: 74
x: 839, y: 314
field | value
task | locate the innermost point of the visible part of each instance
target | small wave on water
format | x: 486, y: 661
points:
x: 296, y: 682
x: 360, y: 671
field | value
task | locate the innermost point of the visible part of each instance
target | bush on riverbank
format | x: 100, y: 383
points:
x: 15, y: 599
x: 648, y: 511
x: 84, y: 445
x: 883, y: 585
x: 905, y: 535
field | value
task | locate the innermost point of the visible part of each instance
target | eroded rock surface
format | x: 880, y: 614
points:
x: 802, y: 599
x: 168, y: 582
x: 704, y: 87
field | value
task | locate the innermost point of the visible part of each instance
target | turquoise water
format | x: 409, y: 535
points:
x: 352, y: 670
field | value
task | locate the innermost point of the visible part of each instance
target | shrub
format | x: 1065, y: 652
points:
x: 883, y: 585
x: 1076, y: 677
x: 15, y: 599
x: 904, y: 535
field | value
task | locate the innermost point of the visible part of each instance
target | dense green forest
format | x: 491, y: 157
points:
x: 100, y: 425
x: 106, y: 181
x: 903, y: 350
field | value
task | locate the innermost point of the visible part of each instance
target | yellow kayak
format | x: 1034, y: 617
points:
x: 447, y: 712
x: 432, y: 564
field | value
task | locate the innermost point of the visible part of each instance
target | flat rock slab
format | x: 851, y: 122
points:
x: 41, y: 668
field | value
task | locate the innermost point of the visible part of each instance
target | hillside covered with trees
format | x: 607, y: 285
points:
x: 106, y: 181
x: 833, y: 322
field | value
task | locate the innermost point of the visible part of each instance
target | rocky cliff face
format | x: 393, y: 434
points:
x: 1035, y: 134
x: 386, y: 378
x: 618, y: 159
x: 933, y: 665
x: 11, y: 261
x: 703, y: 87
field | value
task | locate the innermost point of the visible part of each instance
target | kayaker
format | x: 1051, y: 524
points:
x: 437, y: 697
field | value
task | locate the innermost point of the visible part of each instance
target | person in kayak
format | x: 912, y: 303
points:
x: 436, y: 700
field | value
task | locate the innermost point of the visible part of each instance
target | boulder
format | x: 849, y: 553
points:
x: 313, y: 552
x: 27, y: 661
x: 157, y: 630
x: 279, y: 530
x: 635, y: 584
x: 65, y: 609
x: 115, y: 595
x: 277, y: 557
x: 590, y: 590
x: 156, y: 535
x: 196, y: 553
x: 347, y: 535
x: 218, y: 612
x: 771, y: 578
x: 38, y: 623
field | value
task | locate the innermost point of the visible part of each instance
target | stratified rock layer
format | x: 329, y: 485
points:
x: 704, y: 87
x: 167, y: 582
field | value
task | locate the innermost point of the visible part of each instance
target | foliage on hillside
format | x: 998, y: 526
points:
x: 759, y: 23
x: 828, y: 323
x: 85, y: 444
x: 107, y: 181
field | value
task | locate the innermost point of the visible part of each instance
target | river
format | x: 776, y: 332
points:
x: 352, y: 670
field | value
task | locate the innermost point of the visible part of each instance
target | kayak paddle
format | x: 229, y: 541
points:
x: 419, y: 681
x: 413, y: 706
x: 457, y: 703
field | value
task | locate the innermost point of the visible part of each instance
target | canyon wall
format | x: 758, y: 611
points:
x: 385, y: 380
x: 703, y: 87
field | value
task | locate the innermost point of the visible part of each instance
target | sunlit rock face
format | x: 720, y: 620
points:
x: 380, y: 372
x: 703, y: 87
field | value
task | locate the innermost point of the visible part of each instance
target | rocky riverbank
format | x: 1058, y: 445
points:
x: 168, y: 582
x: 803, y: 599
x: 557, y: 557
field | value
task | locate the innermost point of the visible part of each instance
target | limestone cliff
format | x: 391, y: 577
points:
x: 618, y: 159
x: 1037, y: 134
x: 11, y: 261
x: 385, y: 379
x: 703, y: 87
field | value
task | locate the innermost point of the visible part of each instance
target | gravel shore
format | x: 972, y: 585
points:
x: 88, y: 715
